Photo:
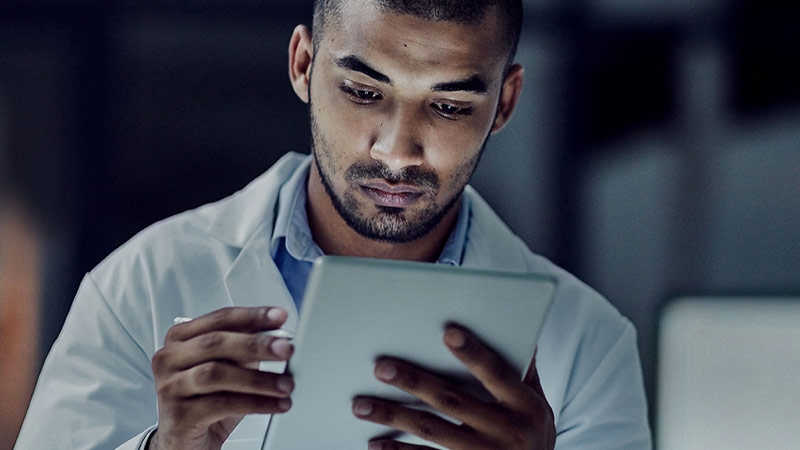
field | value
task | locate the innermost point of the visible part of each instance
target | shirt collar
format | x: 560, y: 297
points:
x: 453, y: 251
x: 291, y: 225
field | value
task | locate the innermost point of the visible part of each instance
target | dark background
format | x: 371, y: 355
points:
x: 656, y: 151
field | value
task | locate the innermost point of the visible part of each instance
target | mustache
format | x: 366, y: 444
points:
x: 415, y: 176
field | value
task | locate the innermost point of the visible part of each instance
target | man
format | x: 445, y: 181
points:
x: 402, y: 98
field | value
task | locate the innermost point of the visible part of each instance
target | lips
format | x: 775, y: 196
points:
x: 391, y: 195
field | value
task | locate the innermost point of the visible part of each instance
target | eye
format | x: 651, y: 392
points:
x: 360, y: 95
x: 450, y: 111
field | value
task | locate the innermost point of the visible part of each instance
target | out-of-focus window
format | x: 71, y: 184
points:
x: 19, y: 318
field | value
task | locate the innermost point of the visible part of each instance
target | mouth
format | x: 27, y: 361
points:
x: 391, y: 195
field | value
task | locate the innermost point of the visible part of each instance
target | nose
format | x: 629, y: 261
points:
x: 397, y: 144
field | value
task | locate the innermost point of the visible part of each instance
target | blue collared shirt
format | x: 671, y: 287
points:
x: 294, y: 250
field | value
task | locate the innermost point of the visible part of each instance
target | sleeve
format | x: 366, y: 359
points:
x: 95, y: 390
x: 608, y: 410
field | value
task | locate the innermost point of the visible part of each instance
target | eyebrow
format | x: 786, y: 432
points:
x: 472, y: 84
x: 354, y: 63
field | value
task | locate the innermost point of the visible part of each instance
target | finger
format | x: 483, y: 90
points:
x: 239, y: 348
x: 396, y: 445
x: 423, y: 424
x: 209, y: 409
x: 248, y: 320
x: 529, y: 416
x: 493, y: 371
x: 221, y: 377
x: 532, y: 376
x: 442, y: 395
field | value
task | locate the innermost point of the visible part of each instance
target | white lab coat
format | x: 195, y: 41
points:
x: 96, y: 387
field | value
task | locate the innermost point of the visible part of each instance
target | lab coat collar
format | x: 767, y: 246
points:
x: 246, y: 221
x: 236, y: 219
x: 490, y: 243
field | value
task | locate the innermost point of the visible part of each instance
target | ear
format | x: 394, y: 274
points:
x: 512, y: 87
x: 301, y: 54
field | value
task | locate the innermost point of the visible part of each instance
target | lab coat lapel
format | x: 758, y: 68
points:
x: 490, y: 243
x: 254, y: 279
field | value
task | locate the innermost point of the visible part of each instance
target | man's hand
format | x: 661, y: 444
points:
x: 520, y: 418
x: 207, y: 376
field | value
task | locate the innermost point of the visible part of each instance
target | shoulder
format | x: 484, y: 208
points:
x: 186, y: 256
x: 226, y: 223
x: 577, y: 309
x: 492, y: 244
x: 582, y: 330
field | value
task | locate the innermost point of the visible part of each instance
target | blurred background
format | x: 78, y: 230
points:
x: 655, y: 152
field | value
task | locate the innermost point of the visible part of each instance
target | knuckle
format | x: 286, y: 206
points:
x: 210, y: 341
x: 220, y: 317
x: 450, y: 399
x: 160, y: 361
x: 254, y: 344
x: 208, y: 374
x: 387, y: 415
x: 165, y: 390
x: 410, y: 378
x: 225, y: 403
x: 171, y: 334
x: 235, y: 403
x: 425, y: 427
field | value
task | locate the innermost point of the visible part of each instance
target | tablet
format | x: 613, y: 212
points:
x: 356, y: 310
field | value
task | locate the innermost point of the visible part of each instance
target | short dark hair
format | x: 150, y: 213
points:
x: 458, y: 11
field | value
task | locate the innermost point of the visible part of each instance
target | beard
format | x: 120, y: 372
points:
x: 388, y: 224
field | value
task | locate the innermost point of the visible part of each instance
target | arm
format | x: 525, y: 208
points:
x: 605, y: 406
x: 95, y: 389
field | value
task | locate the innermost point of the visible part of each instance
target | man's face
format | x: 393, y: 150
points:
x: 401, y: 109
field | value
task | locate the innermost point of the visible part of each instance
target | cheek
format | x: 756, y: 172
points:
x: 457, y: 143
x: 345, y: 132
x: 454, y: 154
x: 457, y: 163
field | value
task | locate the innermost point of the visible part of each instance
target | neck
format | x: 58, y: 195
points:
x: 335, y: 237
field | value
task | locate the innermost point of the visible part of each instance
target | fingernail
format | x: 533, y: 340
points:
x: 362, y: 407
x: 285, y: 384
x: 455, y: 338
x: 386, y: 371
x: 284, y: 404
x: 276, y: 314
x: 281, y: 348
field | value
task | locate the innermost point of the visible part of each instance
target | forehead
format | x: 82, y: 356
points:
x: 414, y: 45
